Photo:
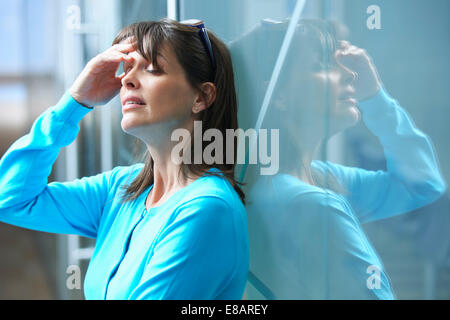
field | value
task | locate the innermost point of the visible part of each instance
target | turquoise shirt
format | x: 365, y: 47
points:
x: 193, y: 246
x: 307, y: 242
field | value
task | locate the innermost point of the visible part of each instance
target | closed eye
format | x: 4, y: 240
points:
x: 128, y: 67
x: 324, y: 65
x: 155, y: 71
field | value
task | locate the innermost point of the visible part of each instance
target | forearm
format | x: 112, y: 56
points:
x: 25, y: 167
x: 410, y: 156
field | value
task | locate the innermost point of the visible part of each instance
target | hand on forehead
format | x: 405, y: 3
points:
x: 131, y: 39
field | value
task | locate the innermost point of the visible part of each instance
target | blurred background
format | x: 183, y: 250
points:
x: 46, y: 44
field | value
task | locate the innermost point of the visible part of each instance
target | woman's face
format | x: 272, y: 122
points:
x: 151, y: 95
x: 320, y: 88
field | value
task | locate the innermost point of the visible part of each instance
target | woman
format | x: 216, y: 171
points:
x: 306, y: 239
x: 163, y: 230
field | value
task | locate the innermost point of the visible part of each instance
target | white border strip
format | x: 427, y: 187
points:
x: 276, y: 74
x: 172, y: 8
x: 280, y: 61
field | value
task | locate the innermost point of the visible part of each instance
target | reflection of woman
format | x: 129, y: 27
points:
x: 306, y: 240
x: 163, y: 231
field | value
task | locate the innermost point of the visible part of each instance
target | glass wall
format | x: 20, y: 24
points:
x: 346, y: 178
x: 343, y: 106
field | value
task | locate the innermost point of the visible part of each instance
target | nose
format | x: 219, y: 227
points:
x: 348, y: 76
x: 130, y: 81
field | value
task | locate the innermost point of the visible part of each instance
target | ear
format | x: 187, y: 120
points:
x: 205, y: 97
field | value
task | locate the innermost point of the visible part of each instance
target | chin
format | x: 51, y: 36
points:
x: 345, y: 120
x: 130, y: 125
x: 355, y: 116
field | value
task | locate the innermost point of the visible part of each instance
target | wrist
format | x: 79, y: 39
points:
x: 377, y: 105
x: 79, y: 100
x: 371, y: 93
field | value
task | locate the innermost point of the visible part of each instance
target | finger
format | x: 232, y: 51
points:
x: 354, y: 49
x: 121, y: 46
x: 351, y: 52
x: 341, y: 53
x: 131, y: 39
x: 345, y: 58
x: 124, y: 47
x: 117, y: 57
x: 343, y: 44
x: 127, y: 58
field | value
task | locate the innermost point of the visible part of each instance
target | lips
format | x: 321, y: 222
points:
x: 347, y: 95
x: 131, y: 102
x: 349, y: 100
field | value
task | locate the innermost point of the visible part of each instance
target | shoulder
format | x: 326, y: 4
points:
x: 212, y: 204
x: 289, y: 194
x: 214, y: 209
x: 321, y: 200
x: 200, y: 212
x: 212, y: 191
x: 122, y: 175
x: 290, y: 190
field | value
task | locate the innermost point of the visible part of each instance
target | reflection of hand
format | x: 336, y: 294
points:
x: 367, y: 82
x: 98, y: 83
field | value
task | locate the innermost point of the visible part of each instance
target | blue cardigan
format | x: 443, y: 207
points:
x: 194, y: 246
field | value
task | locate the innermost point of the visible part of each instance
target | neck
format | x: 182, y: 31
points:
x: 301, y: 153
x: 309, y: 153
x: 167, y: 175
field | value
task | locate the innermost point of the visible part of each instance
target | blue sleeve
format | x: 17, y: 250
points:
x: 412, y: 179
x: 332, y: 251
x: 195, y: 257
x: 26, y: 200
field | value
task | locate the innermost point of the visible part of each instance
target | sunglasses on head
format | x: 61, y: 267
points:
x: 204, y: 37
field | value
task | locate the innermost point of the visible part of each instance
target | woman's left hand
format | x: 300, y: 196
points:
x: 367, y: 82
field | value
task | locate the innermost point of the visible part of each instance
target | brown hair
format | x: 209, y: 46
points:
x: 194, y: 59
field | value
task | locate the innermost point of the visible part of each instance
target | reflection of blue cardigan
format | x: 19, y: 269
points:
x: 307, y: 242
x: 194, y: 246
